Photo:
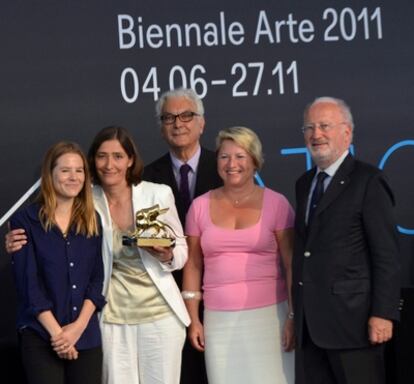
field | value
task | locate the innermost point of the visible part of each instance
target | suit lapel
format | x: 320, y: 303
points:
x: 166, y: 176
x: 302, y: 199
x: 202, y: 175
x: 337, y: 185
x: 165, y: 173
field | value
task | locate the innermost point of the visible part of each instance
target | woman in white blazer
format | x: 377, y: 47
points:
x: 143, y: 326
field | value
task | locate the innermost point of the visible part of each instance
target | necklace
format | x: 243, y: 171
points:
x: 238, y: 201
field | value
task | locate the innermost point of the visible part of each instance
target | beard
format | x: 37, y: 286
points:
x: 323, y: 158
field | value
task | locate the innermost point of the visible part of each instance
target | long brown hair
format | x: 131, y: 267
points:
x: 83, y: 216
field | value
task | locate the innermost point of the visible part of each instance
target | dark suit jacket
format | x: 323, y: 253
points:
x: 160, y: 171
x: 346, y: 265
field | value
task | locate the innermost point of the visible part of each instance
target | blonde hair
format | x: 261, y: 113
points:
x: 83, y: 216
x: 245, y: 138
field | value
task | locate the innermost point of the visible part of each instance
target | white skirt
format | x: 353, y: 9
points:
x: 244, y: 347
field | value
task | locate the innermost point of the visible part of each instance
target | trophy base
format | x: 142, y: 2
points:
x: 155, y: 242
x: 148, y: 241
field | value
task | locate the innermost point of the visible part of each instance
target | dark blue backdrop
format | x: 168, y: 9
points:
x: 69, y: 68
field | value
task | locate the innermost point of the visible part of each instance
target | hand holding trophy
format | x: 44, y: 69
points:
x: 150, y: 231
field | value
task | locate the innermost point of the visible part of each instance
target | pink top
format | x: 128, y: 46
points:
x: 241, y: 266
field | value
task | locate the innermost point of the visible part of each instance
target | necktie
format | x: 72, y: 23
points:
x: 316, y: 195
x: 184, y: 188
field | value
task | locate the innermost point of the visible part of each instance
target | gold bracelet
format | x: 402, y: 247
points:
x: 192, y: 295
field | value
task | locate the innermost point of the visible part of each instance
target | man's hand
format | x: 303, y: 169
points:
x: 379, y: 330
x: 15, y: 240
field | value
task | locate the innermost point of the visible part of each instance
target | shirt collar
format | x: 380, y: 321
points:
x: 331, y: 170
x: 192, y: 162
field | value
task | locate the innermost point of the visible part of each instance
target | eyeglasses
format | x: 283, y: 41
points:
x: 185, y: 117
x: 323, y: 127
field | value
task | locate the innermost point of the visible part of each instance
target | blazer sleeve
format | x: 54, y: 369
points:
x: 382, y: 237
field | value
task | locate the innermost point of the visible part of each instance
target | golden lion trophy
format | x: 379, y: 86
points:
x: 150, y: 231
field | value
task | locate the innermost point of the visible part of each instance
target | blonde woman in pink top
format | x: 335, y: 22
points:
x: 240, y: 241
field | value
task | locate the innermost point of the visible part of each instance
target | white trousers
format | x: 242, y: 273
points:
x: 148, y: 353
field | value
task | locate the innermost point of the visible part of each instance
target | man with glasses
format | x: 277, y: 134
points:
x: 190, y: 170
x: 181, y: 116
x: 346, y: 273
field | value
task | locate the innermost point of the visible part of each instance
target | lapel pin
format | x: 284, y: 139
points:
x: 342, y: 182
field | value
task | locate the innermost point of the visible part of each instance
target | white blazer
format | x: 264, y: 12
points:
x: 145, y: 195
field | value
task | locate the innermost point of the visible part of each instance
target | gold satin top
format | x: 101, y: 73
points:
x: 132, y: 298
